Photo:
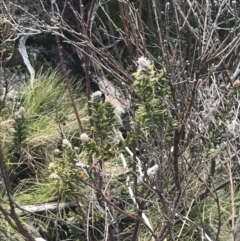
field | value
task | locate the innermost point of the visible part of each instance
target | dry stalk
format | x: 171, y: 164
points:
x: 231, y: 184
x: 12, y: 218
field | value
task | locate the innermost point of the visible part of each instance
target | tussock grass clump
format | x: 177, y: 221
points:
x: 29, y: 142
x: 48, y: 110
x: 48, y: 105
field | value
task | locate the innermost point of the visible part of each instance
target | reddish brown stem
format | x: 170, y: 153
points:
x: 17, y: 225
x: 84, y: 216
x: 67, y: 81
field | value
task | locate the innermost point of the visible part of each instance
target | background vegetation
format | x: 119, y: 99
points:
x: 119, y: 120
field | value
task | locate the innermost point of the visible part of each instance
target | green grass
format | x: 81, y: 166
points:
x: 48, y: 107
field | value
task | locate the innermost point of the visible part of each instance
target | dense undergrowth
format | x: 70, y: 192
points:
x: 49, y: 162
x: 30, y: 141
x: 145, y: 146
